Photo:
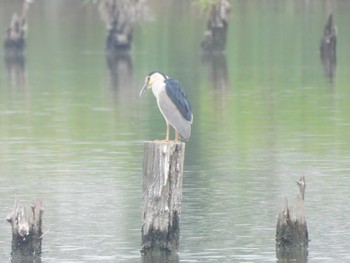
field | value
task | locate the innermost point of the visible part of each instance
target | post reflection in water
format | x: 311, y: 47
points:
x: 328, y: 59
x: 292, y: 255
x: 328, y: 49
x: 16, y: 70
x: 120, y: 76
x: 160, y: 258
x: 26, y: 259
x: 216, y: 67
x: 217, y: 76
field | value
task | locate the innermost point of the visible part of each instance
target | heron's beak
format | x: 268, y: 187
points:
x: 143, y: 88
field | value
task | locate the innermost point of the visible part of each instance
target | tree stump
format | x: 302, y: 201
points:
x: 15, y: 37
x: 291, y: 229
x: 328, y: 48
x: 26, y: 230
x: 120, y: 17
x: 217, y: 24
x: 161, y: 196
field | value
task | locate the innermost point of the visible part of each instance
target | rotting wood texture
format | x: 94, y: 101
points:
x: 26, y: 229
x: 291, y: 229
x: 161, y: 196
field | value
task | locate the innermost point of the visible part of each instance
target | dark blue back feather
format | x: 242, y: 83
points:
x: 177, y: 95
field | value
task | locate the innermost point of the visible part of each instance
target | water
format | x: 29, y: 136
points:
x: 72, y: 130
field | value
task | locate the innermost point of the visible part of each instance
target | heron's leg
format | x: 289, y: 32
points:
x: 167, y: 132
x: 176, y: 135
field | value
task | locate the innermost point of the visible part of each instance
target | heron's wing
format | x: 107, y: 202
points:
x: 178, y: 97
x: 173, y: 116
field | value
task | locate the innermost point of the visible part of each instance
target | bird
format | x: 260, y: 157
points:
x: 172, y: 103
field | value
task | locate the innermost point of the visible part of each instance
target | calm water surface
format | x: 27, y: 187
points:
x: 72, y: 129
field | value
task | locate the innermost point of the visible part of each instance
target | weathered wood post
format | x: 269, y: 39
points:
x: 161, y: 196
x: 291, y: 229
x: 26, y: 230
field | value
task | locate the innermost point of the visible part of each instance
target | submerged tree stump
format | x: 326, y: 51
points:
x: 328, y: 48
x: 26, y: 229
x: 291, y: 229
x: 120, y: 17
x: 15, y: 37
x: 161, y: 196
x: 217, y: 24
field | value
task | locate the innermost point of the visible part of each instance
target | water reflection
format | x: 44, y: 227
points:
x: 217, y: 77
x: 291, y: 255
x: 120, y: 69
x: 15, y: 67
x: 328, y: 49
x: 328, y: 59
x: 216, y: 68
x: 120, y: 76
x: 25, y: 259
x: 160, y: 258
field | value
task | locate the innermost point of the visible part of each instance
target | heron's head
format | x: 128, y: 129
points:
x: 151, y: 79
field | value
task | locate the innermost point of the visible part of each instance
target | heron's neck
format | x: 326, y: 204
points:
x: 157, y: 88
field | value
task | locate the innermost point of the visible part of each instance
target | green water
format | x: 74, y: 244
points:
x: 72, y: 128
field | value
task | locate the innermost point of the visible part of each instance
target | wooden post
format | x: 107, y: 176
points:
x: 161, y: 196
x: 291, y: 229
x: 26, y: 230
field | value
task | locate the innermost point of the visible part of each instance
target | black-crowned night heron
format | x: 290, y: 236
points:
x: 172, y: 103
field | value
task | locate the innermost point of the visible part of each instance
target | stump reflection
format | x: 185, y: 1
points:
x: 328, y: 49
